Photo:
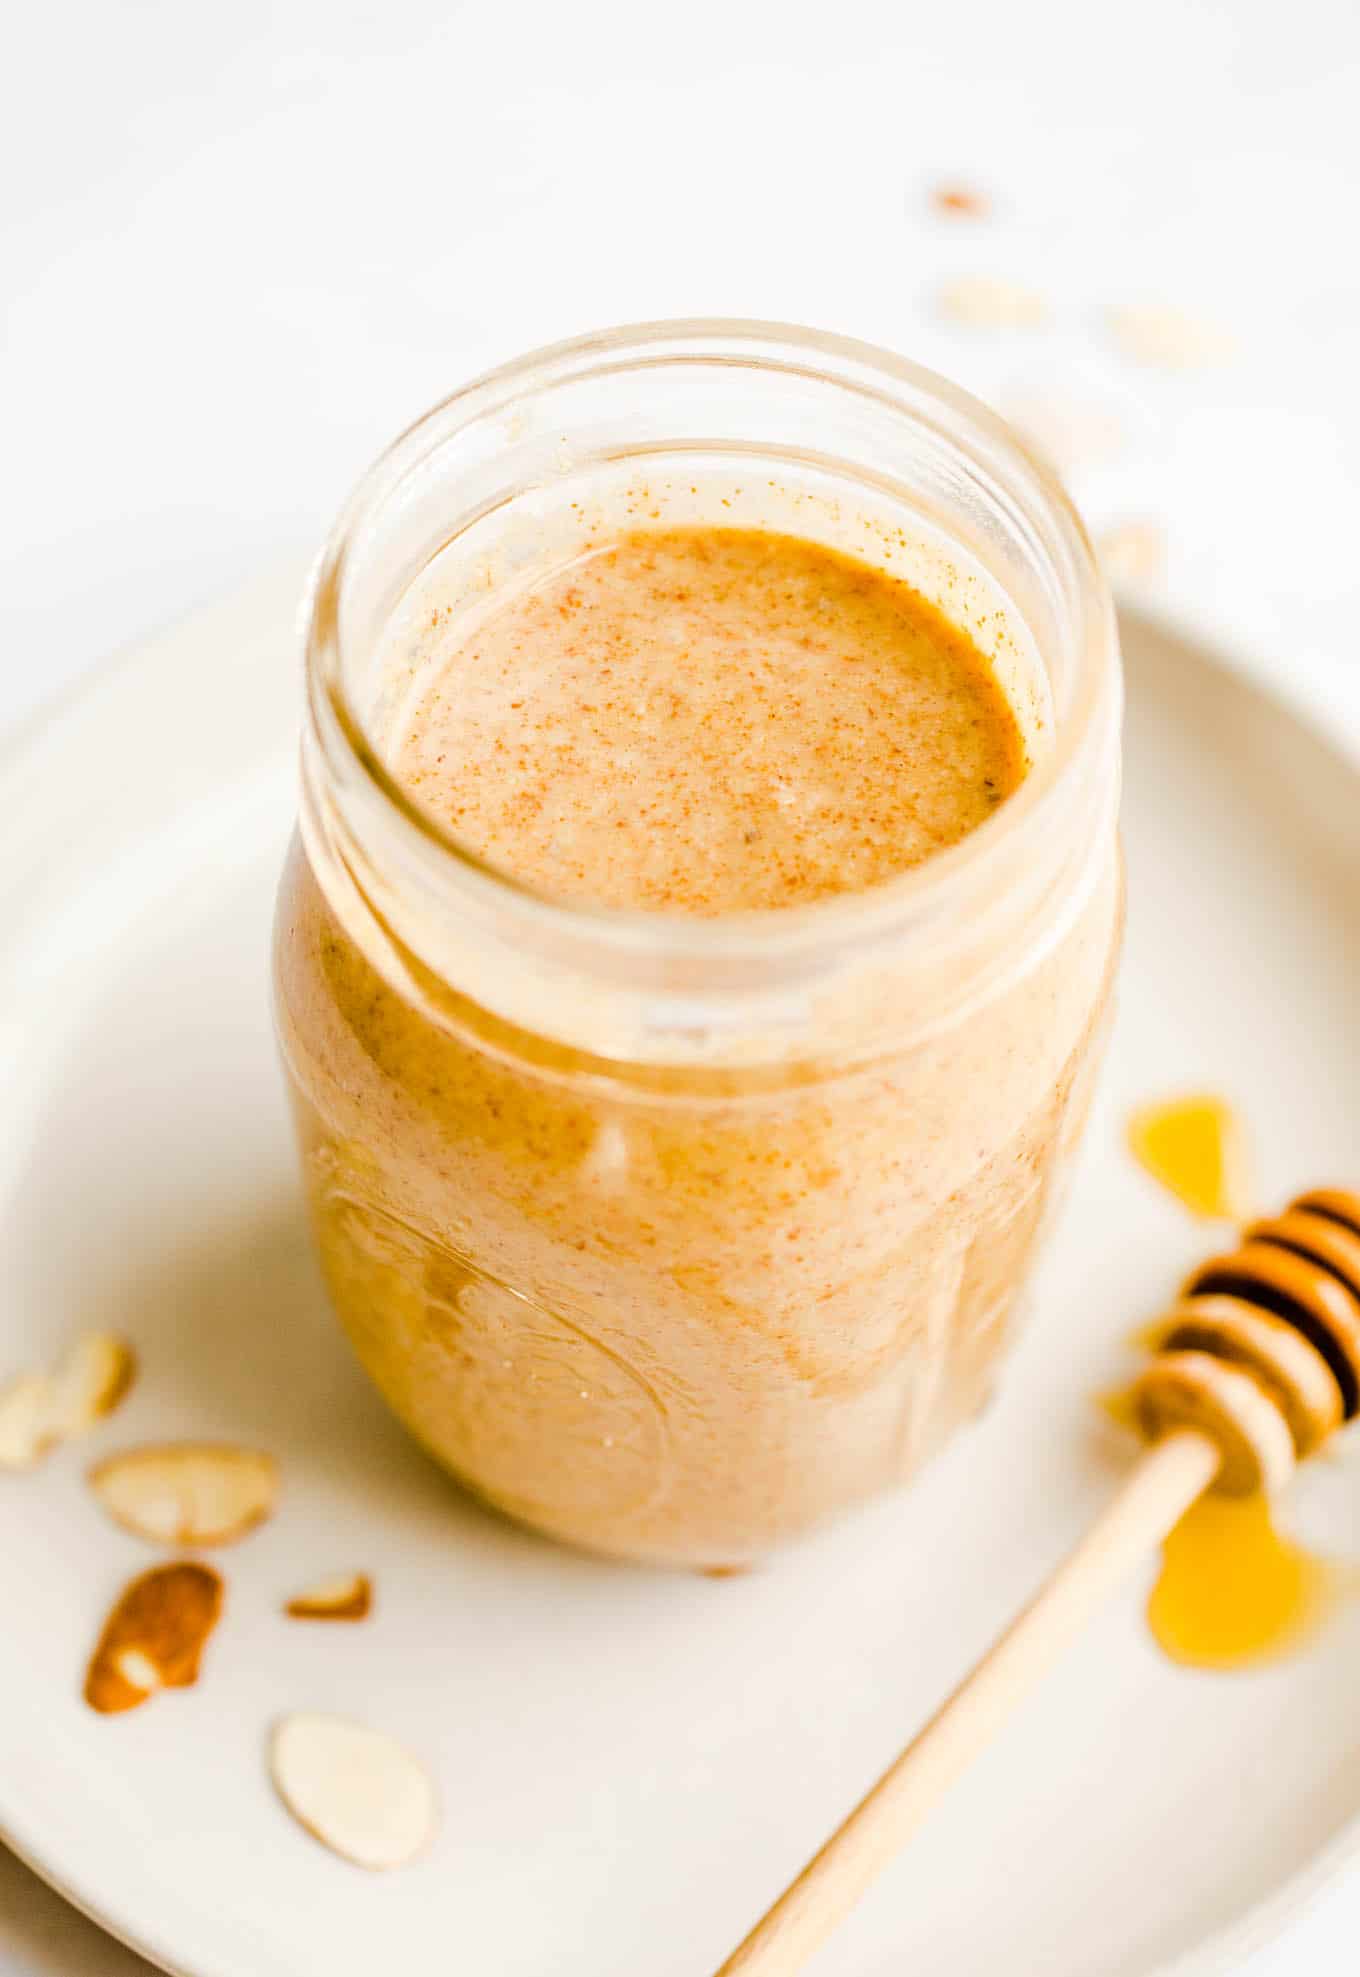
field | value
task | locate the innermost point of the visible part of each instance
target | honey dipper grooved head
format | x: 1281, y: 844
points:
x: 1296, y: 1377
x: 1328, y: 1244
x: 1197, y: 1390
x: 1337, y: 1204
x: 1306, y: 1296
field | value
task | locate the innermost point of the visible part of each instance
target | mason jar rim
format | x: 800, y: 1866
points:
x: 922, y: 896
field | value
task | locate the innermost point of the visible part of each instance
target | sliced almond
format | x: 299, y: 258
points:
x: 1131, y: 553
x: 347, y: 1596
x: 960, y: 202
x: 154, y: 1637
x: 187, y: 1493
x: 89, y: 1382
x: 358, y: 1792
x: 1066, y: 436
x: 38, y: 1410
x: 1154, y: 333
x: 988, y: 302
x: 25, y: 1421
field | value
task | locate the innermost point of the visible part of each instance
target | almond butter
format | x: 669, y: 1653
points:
x: 153, y: 1639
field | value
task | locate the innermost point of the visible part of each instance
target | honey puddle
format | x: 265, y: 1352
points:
x: 1197, y: 1148
x: 1234, y: 1592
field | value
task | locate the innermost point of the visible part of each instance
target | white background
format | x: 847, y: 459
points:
x: 241, y: 246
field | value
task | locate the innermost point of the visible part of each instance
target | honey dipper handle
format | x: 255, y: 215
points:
x: 1166, y: 1482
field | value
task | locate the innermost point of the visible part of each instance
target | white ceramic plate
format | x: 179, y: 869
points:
x: 630, y: 1764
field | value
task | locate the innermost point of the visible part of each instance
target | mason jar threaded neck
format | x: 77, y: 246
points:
x: 846, y: 428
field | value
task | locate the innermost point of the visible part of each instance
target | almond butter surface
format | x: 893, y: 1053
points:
x: 709, y: 721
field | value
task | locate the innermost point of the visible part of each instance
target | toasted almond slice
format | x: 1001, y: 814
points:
x: 138, y: 1668
x: 26, y: 1431
x: 1298, y: 1377
x: 988, y: 302
x: 154, y: 1637
x: 188, y: 1493
x: 347, y: 1596
x: 960, y: 202
x: 1195, y: 1390
x: 89, y: 1382
x: 358, y: 1792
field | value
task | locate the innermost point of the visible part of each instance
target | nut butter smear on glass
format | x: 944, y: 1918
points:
x: 663, y: 1246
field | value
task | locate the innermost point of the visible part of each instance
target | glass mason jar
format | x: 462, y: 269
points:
x: 672, y: 1236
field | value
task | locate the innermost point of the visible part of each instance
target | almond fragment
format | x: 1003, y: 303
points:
x: 25, y: 1420
x: 1132, y: 553
x: 154, y: 1637
x: 1068, y: 434
x: 960, y: 202
x: 38, y: 1410
x: 347, y: 1596
x: 187, y: 1493
x: 987, y: 302
x: 1153, y: 333
x: 358, y: 1792
x: 90, y: 1381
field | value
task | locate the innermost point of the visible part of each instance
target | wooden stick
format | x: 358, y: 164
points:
x: 1161, y: 1489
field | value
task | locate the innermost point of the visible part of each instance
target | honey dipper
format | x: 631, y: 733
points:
x: 1258, y: 1364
